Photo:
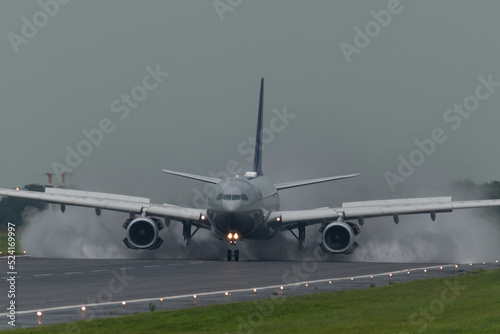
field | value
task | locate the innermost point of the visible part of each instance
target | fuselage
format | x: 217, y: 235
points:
x: 242, y: 205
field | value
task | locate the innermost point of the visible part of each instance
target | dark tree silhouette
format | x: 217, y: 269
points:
x: 11, y: 208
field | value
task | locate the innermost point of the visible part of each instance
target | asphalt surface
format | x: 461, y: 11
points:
x: 60, y: 287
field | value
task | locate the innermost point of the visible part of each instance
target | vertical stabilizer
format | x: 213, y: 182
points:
x: 257, y: 162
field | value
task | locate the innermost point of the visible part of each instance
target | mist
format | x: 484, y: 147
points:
x: 79, y: 233
x: 460, y: 237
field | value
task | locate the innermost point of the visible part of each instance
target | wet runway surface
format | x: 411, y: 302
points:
x: 60, y: 287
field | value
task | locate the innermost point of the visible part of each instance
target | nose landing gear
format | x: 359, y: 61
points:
x: 232, y: 251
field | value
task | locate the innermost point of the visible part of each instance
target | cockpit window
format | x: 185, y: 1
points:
x: 230, y: 197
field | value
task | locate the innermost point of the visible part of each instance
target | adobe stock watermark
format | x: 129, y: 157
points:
x: 420, y: 320
x: 30, y: 28
x: 454, y: 117
x: 363, y: 37
x: 291, y: 278
x: 223, y: 6
x: 122, y: 108
x: 277, y: 124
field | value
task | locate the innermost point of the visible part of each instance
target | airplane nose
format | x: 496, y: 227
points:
x: 231, y: 206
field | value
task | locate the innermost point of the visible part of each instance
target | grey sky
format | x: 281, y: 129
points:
x: 356, y: 116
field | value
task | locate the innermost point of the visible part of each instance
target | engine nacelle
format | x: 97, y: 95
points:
x: 143, y: 233
x: 338, y: 237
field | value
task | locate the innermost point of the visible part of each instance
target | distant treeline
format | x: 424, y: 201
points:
x: 12, y: 208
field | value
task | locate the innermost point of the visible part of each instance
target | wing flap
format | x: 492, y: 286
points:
x: 79, y: 193
x: 369, y: 209
x: 403, y: 201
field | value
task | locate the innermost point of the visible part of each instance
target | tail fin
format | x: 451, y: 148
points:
x: 257, y: 162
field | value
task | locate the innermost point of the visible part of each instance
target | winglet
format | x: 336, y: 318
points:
x: 257, y: 162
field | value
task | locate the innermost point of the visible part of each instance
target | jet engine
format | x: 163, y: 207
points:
x: 338, y: 237
x: 143, y: 232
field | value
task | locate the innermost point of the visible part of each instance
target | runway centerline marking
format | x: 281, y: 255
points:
x: 43, y: 275
x: 73, y: 272
x: 100, y: 270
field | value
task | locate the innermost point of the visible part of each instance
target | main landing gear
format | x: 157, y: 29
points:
x: 233, y: 238
x: 186, y: 232
x: 301, y: 238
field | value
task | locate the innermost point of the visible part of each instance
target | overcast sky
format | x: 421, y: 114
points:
x: 348, y: 101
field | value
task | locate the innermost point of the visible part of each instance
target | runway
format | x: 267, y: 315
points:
x: 60, y: 287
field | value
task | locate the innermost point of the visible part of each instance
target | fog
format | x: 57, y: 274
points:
x: 459, y: 237
x: 405, y: 93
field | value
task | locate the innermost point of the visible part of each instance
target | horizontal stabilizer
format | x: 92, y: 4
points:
x: 193, y: 176
x: 293, y: 184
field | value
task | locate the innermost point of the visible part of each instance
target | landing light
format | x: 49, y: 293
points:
x: 278, y: 219
x: 236, y: 236
x: 17, y: 188
x: 203, y: 217
x: 230, y: 236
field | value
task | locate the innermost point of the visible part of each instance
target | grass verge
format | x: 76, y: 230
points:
x: 468, y: 303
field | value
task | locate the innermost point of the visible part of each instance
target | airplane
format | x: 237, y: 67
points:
x: 246, y: 208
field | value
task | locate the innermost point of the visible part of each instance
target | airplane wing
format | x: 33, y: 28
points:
x: 283, y: 220
x: 114, y: 202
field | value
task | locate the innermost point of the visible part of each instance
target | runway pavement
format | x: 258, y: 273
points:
x: 60, y: 287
